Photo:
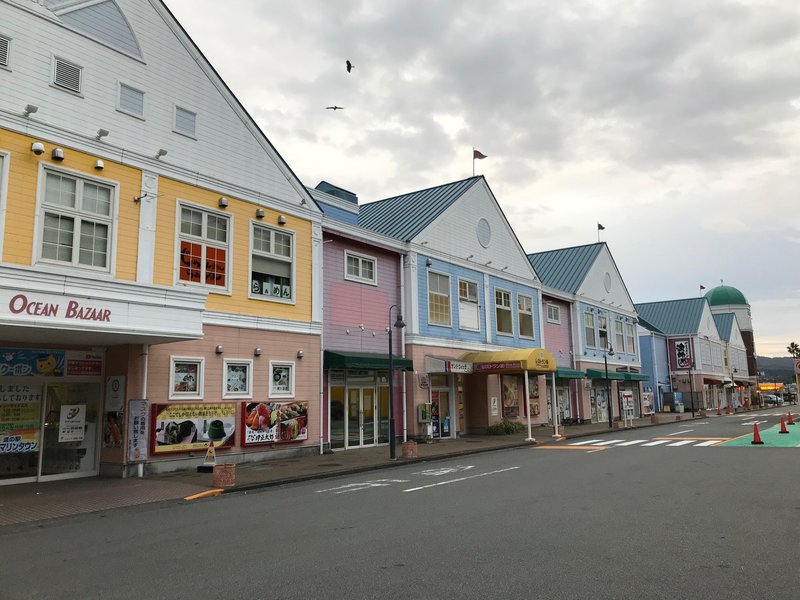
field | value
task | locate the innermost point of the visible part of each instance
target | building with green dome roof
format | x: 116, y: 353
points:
x: 725, y: 295
x: 725, y: 299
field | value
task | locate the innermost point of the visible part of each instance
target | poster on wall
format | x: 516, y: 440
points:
x: 112, y: 429
x: 137, y: 430
x: 16, y: 362
x: 191, y: 426
x: 71, y: 425
x: 510, y: 395
x: 683, y: 354
x: 115, y: 393
x: 272, y: 422
x: 20, y: 407
x: 85, y: 364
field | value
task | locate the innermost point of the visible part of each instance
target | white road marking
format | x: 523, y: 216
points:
x: 680, y: 432
x: 606, y: 442
x: 593, y: 451
x: 364, y: 485
x: 445, y: 470
x: 422, y: 487
x: 683, y: 443
x: 754, y: 422
x: 710, y: 442
x: 630, y: 443
x: 656, y: 443
x: 582, y: 442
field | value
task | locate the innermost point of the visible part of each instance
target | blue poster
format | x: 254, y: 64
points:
x: 17, y: 362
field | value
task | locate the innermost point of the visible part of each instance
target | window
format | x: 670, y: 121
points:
x: 272, y: 264
x: 619, y: 337
x: 602, y: 329
x: 554, y: 314
x: 525, y: 316
x: 282, y: 380
x: 438, y: 299
x: 131, y: 100
x: 187, y: 378
x: 203, y: 241
x: 502, y: 307
x: 67, y: 75
x: 5, y: 45
x: 588, y: 330
x: 359, y: 268
x: 238, y: 381
x: 468, y: 309
x: 185, y: 121
x: 629, y: 332
x: 77, y: 221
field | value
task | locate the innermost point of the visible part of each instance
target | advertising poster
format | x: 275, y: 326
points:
x: 112, y: 430
x: 191, y: 426
x: 137, y: 430
x: 72, y: 424
x: 510, y: 394
x: 20, y: 407
x: 22, y: 363
x: 272, y: 422
x: 115, y: 393
x: 84, y: 364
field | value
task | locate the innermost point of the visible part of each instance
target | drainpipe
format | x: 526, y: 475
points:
x: 403, y: 348
x: 145, y: 356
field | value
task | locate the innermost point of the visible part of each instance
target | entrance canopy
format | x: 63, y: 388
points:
x: 601, y: 374
x: 363, y: 360
x: 636, y: 377
x: 523, y: 359
x: 565, y: 373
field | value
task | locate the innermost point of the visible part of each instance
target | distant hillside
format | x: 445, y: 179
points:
x: 776, y: 369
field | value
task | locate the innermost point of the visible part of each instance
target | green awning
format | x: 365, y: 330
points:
x: 363, y: 360
x: 564, y: 373
x: 636, y: 377
x: 597, y: 374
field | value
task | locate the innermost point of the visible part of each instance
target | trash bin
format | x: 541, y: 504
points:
x: 409, y: 449
x: 224, y: 475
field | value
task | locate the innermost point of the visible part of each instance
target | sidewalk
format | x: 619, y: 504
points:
x: 39, y: 501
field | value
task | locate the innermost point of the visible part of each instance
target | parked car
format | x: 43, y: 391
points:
x: 771, y: 399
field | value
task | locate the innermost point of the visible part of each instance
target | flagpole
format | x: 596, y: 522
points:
x: 473, y: 161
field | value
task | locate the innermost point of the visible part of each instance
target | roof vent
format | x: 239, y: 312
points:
x: 67, y: 76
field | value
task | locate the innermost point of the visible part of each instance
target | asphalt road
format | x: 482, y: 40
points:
x: 567, y: 520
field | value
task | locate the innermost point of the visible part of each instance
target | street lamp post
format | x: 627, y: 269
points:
x: 399, y: 324
x: 691, y: 386
x: 608, y: 350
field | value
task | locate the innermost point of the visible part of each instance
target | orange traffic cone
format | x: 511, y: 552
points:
x: 783, y: 427
x: 756, y: 435
x: 791, y: 420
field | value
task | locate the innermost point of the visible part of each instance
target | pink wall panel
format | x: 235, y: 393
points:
x: 558, y: 337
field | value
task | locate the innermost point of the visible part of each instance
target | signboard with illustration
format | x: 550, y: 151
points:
x: 20, y: 406
x: 184, y: 427
x: 274, y: 422
x: 17, y: 362
x: 510, y: 395
x: 137, y: 430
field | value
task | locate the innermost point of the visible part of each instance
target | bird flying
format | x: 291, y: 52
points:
x: 334, y: 107
x: 350, y: 66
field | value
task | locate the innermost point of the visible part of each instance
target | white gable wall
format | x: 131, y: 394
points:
x: 604, y: 285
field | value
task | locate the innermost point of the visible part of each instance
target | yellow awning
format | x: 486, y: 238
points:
x: 522, y: 359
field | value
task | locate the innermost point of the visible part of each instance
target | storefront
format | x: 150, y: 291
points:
x: 602, y: 398
x: 358, y: 397
x: 567, y: 381
x: 445, y: 415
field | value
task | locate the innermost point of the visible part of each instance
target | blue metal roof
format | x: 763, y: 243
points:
x: 647, y: 325
x: 404, y: 217
x: 724, y: 323
x: 565, y: 268
x: 673, y: 317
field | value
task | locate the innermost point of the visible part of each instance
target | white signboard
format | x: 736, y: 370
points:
x: 137, y: 430
x: 115, y: 394
x: 627, y: 400
x: 71, y: 426
x: 495, y: 406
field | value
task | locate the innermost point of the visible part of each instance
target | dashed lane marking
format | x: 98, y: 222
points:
x: 430, y: 485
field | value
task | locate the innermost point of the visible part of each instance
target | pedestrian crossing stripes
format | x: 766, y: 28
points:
x: 670, y: 442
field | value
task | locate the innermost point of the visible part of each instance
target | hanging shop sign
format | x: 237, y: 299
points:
x: 273, y: 422
x: 137, y: 430
x: 20, y: 406
x: 191, y: 426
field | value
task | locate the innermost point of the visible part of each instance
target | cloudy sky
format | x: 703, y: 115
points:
x: 674, y: 124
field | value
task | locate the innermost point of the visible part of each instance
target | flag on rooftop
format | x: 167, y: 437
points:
x: 478, y: 154
x: 600, y: 227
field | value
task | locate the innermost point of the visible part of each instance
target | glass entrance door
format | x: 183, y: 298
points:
x: 70, y: 433
x: 361, y: 417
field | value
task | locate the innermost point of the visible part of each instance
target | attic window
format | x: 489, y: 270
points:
x: 131, y: 100
x: 67, y: 75
x: 5, y: 43
x: 185, y: 121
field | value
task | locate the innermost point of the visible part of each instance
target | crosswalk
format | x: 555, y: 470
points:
x: 669, y: 442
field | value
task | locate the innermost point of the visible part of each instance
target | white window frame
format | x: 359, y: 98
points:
x: 619, y: 334
x: 205, y: 242
x: 53, y: 79
x: 124, y: 110
x: 602, y: 318
x: 589, y: 328
x: 529, y: 312
x: 630, y: 336
x: 199, y: 362
x: 498, y: 308
x: 273, y: 296
x: 274, y: 391
x: 468, y: 304
x: 247, y: 364
x: 5, y: 159
x: 553, y: 313
x: 176, y: 129
x: 6, y: 41
x: 361, y: 258
x: 440, y: 294
x: 78, y: 215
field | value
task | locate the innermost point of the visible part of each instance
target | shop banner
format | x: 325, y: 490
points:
x: 137, y: 430
x: 271, y: 422
x: 20, y: 407
x: 191, y: 426
x: 16, y: 362
x: 71, y: 425
x: 84, y: 364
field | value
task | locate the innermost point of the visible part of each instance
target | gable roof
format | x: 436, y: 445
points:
x: 565, y: 268
x: 724, y: 322
x: 647, y: 325
x: 405, y: 216
x: 673, y: 317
